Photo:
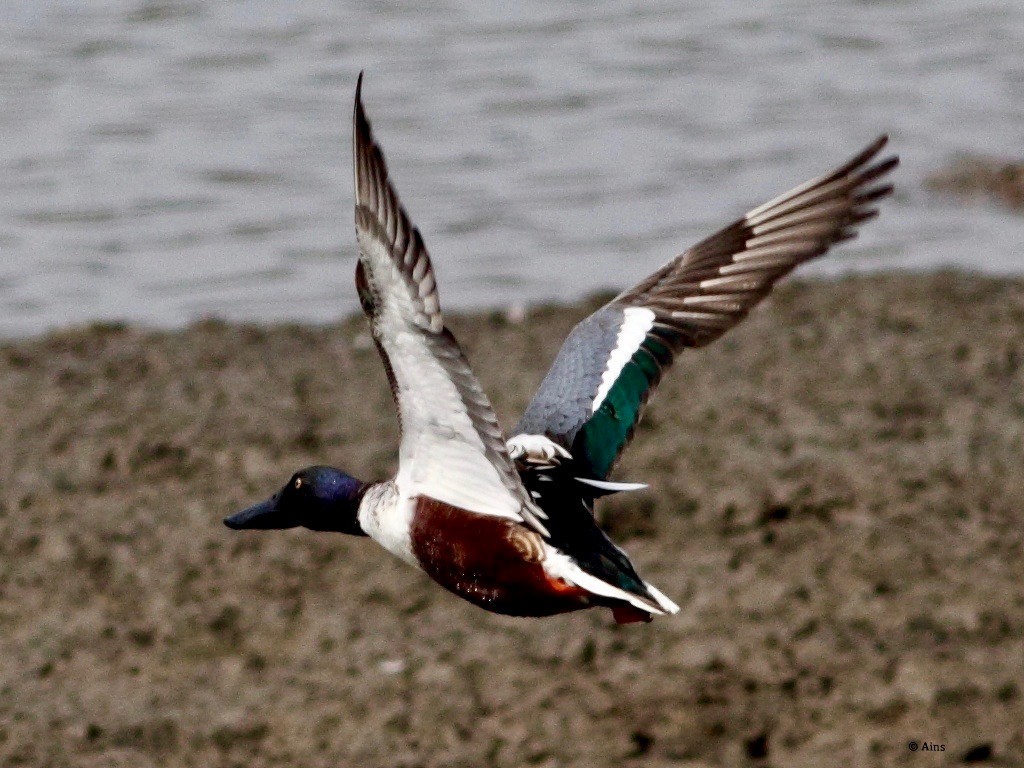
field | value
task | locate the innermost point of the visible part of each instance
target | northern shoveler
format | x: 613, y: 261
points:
x: 509, y: 525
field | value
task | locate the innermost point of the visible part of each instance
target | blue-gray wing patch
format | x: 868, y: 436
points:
x: 564, y: 401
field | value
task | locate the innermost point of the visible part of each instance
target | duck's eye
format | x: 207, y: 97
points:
x: 298, y: 483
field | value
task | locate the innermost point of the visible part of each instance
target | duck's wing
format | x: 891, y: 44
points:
x: 591, y: 400
x: 452, y: 448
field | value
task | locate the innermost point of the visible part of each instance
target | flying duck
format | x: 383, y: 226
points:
x: 508, y: 524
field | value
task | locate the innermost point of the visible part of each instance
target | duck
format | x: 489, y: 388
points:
x: 508, y: 523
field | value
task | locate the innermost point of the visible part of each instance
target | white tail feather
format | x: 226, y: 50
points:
x: 665, y: 603
x: 561, y: 566
x: 607, y: 485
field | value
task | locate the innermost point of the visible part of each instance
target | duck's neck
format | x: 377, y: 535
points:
x: 386, y: 519
x: 339, y: 510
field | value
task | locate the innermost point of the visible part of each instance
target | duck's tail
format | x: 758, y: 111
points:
x: 628, y: 605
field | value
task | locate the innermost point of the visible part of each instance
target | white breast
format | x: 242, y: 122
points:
x: 385, y: 514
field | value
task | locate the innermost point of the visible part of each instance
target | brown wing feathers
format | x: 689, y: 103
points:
x: 381, y: 215
x: 709, y: 288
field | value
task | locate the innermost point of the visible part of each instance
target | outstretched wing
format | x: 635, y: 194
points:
x: 452, y: 448
x: 591, y: 400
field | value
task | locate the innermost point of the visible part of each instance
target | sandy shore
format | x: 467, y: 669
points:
x: 980, y: 177
x: 835, y: 501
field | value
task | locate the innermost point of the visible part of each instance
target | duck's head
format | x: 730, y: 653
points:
x: 318, y: 498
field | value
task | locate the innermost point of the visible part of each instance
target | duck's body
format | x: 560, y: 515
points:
x: 491, y: 561
x: 500, y: 562
x: 510, y: 526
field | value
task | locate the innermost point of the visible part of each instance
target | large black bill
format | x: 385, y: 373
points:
x: 262, y: 516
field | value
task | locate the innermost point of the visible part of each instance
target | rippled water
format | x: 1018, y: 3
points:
x: 164, y: 161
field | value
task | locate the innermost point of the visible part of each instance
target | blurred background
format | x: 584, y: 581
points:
x: 165, y: 161
x: 835, y: 486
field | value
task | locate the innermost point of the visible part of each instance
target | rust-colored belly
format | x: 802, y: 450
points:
x: 492, y: 562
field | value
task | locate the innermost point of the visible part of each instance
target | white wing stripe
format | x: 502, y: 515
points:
x: 637, y: 321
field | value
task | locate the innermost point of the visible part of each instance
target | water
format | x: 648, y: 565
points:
x: 163, y: 161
